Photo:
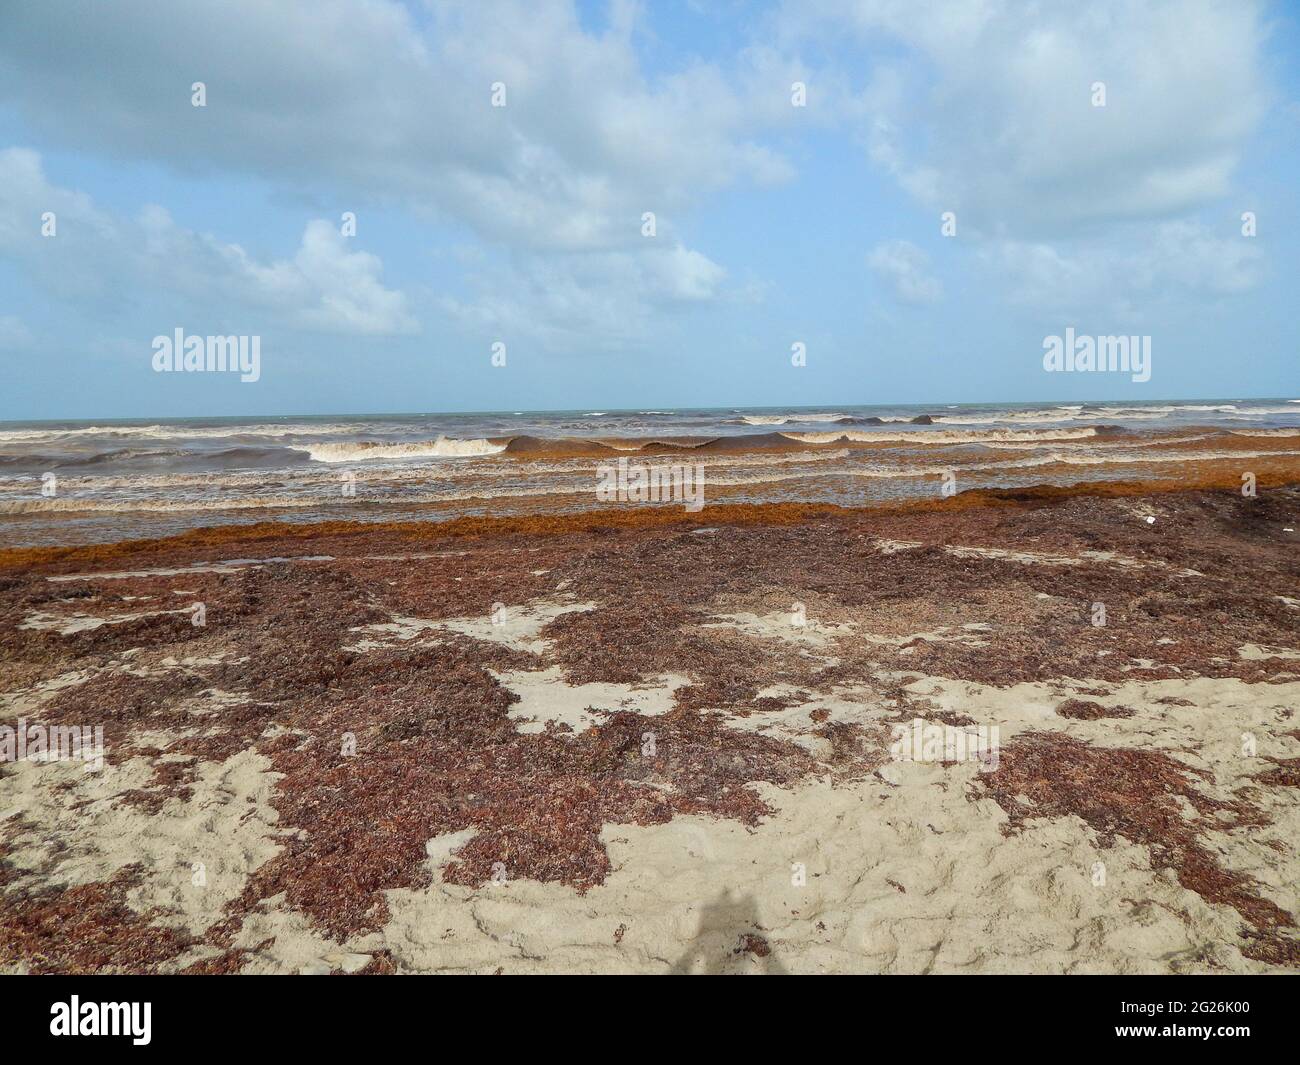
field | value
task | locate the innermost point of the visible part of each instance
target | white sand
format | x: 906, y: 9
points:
x: 70, y: 624
x: 544, y: 696
x: 196, y: 854
x: 516, y: 627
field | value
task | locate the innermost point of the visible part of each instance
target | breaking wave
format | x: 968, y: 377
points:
x: 369, y: 451
x: 786, y: 419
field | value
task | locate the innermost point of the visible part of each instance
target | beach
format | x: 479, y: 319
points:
x: 1045, y: 726
x: 607, y: 488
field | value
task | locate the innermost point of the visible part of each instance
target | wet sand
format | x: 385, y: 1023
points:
x: 642, y: 740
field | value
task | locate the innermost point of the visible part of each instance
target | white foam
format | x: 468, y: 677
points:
x: 176, y: 432
x: 1077, y: 412
x: 786, y: 419
x: 940, y: 436
x: 365, y: 451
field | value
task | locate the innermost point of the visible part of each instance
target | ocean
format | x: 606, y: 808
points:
x: 89, y: 482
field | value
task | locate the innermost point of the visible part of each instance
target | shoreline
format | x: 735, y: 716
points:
x: 619, y: 516
x: 94, y: 490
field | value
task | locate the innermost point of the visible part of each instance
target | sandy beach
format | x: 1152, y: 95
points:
x: 640, y: 740
x: 595, y: 487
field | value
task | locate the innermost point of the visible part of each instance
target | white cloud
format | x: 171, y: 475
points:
x: 592, y: 300
x: 340, y: 290
x: 354, y: 98
x: 71, y: 260
x: 987, y: 111
x: 370, y: 102
x: 324, y: 287
x: 905, y: 269
x: 1131, y: 281
x: 990, y: 114
x: 982, y: 108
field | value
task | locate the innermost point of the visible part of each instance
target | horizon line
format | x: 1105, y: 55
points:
x: 677, y: 409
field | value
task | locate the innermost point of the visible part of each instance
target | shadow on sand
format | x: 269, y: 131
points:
x: 728, y: 928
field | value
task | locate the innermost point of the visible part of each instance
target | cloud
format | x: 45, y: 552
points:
x: 593, y: 301
x: 372, y: 102
x: 983, y: 108
x: 1173, y: 261
x: 71, y: 260
x: 986, y: 109
x: 904, y: 268
x: 358, y: 99
x: 324, y: 287
x: 990, y: 112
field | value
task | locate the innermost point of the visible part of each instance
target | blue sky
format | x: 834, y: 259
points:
x: 775, y: 224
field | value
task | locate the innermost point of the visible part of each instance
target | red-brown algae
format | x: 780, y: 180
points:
x: 435, y: 751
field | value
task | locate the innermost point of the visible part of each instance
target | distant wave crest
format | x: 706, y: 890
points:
x: 943, y: 436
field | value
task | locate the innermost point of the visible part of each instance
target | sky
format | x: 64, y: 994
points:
x: 1093, y: 162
